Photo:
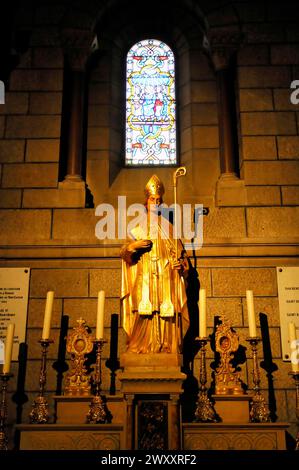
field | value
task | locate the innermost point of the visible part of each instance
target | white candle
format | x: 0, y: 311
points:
x: 251, y: 315
x: 202, y: 314
x: 100, y: 315
x: 8, y: 347
x: 293, y: 347
x: 48, y: 315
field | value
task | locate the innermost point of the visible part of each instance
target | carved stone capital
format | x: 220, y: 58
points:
x: 174, y: 398
x: 222, y: 45
x: 77, y: 47
x: 129, y: 397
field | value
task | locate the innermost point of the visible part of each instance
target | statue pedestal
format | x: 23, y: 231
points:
x: 152, y: 384
x: 232, y: 408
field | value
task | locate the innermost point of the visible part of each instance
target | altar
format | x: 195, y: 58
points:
x: 147, y: 413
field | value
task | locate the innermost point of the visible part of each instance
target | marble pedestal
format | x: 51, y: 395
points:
x: 152, y: 385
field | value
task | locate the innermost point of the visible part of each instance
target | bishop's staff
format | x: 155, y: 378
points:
x: 181, y: 171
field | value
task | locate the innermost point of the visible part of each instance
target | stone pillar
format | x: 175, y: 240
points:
x: 228, y: 155
x: 230, y: 189
x: 174, y: 423
x: 75, y: 131
x: 77, y: 48
x: 129, y: 421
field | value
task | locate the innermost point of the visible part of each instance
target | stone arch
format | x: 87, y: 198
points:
x: 115, y: 41
x: 116, y: 26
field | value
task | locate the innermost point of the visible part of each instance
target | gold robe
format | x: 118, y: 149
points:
x: 148, y: 296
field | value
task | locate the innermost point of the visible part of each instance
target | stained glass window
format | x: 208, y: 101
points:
x: 150, y: 104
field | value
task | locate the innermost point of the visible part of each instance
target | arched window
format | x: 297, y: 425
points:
x: 150, y: 105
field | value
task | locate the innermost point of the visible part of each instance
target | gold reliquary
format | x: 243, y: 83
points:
x: 227, y: 379
x: 79, y: 344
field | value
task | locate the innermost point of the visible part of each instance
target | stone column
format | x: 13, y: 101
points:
x: 129, y: 421
x: 174, y: 423
x: 77, y: 48
x: 75, y: 131
x: 228, y: 154
x: 230, y: 189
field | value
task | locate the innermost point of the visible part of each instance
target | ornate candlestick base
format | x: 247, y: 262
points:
x: 40, y: 408
x: 4, y: 376
x: 98, y: 412
x: 295, y: 376
x: 204, y: 409
x: 259, y: 412
x: 40, y: 411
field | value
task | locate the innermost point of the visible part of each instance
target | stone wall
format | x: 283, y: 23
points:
x: 243, y: 242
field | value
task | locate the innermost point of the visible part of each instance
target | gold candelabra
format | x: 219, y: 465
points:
x: 40, y: 408
x: 259, y: 412
x: 5, y: 376
x: 295, y: 376
x: 98, y: 412
x: 204, y: 409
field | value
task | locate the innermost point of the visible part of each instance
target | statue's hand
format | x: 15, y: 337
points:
x: 180, y: 265
x: 142, y: 245
x: 185, y: 264
x: 176, y: 265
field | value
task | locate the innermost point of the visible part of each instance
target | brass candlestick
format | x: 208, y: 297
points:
x: 204, y: 409
x: 40, y: 408
x: 295, y: 376
x: 5, y: 376
x: 98, y: 412
x: 259, y: 412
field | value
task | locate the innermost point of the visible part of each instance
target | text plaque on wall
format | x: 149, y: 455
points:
x: 14, y: 287
x: 288, y: 296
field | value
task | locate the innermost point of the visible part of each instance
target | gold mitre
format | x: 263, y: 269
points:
x: 154, y: 187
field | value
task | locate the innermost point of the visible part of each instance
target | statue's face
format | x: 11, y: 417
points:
x: 153, y: 200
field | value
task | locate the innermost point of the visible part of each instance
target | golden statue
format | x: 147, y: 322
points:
x: 154, y: 271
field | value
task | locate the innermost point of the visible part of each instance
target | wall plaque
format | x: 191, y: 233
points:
x: 288, y: 296
x: 14, y: 287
